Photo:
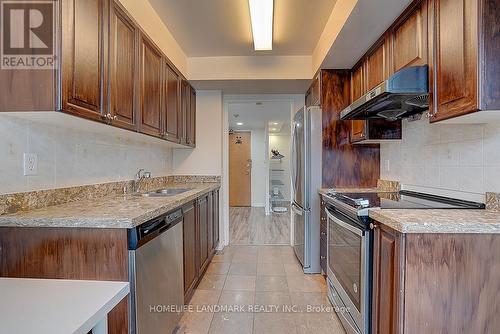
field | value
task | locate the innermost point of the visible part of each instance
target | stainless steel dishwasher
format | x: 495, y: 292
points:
x: 156, y: 275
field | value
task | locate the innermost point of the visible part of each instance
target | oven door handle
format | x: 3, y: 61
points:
x: 343, y: 224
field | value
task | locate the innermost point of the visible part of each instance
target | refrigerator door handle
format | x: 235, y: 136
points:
x: 296, y: 210
x: 293, y: 161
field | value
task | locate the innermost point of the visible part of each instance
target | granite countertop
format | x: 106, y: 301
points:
x: 438, y: 220
x: 125, y: 211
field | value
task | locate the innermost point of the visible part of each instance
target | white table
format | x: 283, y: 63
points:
x: 57, y: 306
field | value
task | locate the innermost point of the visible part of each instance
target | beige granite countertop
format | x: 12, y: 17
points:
x: 125, y: 211
x: 438, y: 220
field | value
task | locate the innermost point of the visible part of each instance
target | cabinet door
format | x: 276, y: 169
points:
x: 210, y: 225
x: 323, y: 237
x: 358, y: 88
x: 84, y: 58
x: 409, y: 38
x: 150, y: 115
x: 122, y: 68
x: 377, y: 64
x: 171, y: 107
x: 185, y: 108
x: 388, y: 266
x: 455, y: 30
x: 216, y: 218
x: 191, y: 135
x: 190, y: 241
x: 202, y: 222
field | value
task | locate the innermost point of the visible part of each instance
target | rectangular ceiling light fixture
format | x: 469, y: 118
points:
x: 261, y: 14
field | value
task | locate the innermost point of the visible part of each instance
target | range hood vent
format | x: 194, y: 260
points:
x: 404, y: 94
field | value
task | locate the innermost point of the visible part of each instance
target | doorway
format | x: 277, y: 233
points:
x: 240, y: 169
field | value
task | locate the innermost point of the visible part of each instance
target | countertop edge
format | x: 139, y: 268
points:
x: 112, y: 223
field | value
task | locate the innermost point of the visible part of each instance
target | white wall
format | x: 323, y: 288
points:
x: 206, y: 158
x: 458, y: 159
x: 71, y: 154
x: 259, y: 167
x: 282, y: 144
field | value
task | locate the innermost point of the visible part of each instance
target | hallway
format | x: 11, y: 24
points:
x: 250, y: 226
x: 259, y: 290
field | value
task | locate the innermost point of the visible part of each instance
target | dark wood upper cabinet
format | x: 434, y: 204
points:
x: 84, y: 58
x: 409, y: 37
x: 377, y: 63
x: 191, y: 137
x: 123, y: 74
x: 465, y: 71
x: 150, y: 80
x: 171, y: 105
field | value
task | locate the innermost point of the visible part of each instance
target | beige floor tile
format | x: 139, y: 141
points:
x: 249, y: 269
x: 244, y: 258
x: 274, y: 323
x: 290, y: 258
x: 218, y: 268
x: 313, y: 323
x: 269, y: 256
x: 287, y: 250
x: 293, y: 269
x: 307, y: 301
x: 241, y: 282
x: 240, y: 298
x: 248, y: 250
x: 271, y: 283
x: 281, y: 300
x: 223, y: 257
x: 195, y: 323
x: 270, y: 269
x: 212, y: 282
x: 205, y: 297
x: 232, y: 323
x: 306, y: 283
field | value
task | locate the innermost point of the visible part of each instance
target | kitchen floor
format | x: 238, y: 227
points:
x: 251, y: 226
x: 269, y: 278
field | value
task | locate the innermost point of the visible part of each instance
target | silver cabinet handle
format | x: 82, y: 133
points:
x: 323, y: 257
x: 323, y: 233
x: 373, y: 226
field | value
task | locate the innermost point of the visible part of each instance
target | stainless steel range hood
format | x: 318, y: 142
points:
x: 405, y: 93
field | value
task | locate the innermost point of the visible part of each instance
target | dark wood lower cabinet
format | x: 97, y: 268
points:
x: 323, y: 238
x: 435, y: 283
x: 201, y: 236
x: 190, y: 248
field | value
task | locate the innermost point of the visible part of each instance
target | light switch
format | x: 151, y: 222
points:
x: 30, y: 164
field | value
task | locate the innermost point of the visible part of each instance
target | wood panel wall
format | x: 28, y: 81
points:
x: 68, y: 253
x: 344, y: 164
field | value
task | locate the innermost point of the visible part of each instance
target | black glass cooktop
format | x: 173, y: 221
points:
x: 404, y: 200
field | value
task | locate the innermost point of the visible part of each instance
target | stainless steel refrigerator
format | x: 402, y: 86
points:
x: 306, y: 181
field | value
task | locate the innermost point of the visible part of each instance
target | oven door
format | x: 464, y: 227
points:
x: 348, y: 266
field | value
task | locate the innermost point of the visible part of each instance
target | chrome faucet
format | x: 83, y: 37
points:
x: 139, y: 177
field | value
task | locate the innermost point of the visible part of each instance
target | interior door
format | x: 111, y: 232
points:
x: 240, y: 169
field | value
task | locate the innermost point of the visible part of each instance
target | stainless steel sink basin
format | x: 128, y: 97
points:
x: 164, y: 192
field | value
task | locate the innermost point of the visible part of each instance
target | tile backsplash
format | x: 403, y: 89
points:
x: 463, y: 158
x: 71, y: 156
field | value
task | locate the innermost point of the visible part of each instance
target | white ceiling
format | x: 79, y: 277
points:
x: 207, y: 28
x: 254, y: 116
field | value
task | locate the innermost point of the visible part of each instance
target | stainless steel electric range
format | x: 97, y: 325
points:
x: 350, y: 246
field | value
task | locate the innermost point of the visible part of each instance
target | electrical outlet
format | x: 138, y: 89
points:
x: 30, y: 164
x: 387, y: 165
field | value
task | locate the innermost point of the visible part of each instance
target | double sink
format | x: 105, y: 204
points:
x: 164, y: 192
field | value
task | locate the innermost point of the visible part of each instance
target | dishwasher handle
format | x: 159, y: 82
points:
x: 146, y: 232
